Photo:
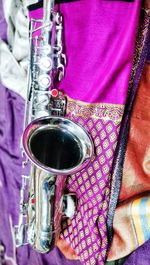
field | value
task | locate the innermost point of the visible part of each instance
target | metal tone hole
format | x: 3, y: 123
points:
x: 56, y: 148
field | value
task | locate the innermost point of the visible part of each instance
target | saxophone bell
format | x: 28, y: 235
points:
x: 57, y: 145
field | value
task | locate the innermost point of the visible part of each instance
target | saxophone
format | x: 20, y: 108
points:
x: 53, y: 145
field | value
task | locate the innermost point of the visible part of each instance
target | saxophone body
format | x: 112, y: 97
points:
x: 54, y: 146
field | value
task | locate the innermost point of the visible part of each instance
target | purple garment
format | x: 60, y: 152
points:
x: 11, y: 126
x: 140, y: 256
x: 11, y: 123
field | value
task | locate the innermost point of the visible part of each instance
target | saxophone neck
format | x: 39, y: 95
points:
x: 48, y: 8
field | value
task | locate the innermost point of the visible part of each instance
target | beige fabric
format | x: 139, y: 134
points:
x: 14, y: 55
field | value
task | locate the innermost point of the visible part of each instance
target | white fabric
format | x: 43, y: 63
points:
x: 14, y: 55
x: 31, y: 2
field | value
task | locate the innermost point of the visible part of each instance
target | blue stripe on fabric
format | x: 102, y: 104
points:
x: 143, y: 218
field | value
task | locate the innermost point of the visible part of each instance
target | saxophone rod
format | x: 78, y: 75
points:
x: 48, y: 7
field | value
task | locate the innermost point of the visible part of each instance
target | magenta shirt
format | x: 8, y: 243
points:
x: 99, y: 42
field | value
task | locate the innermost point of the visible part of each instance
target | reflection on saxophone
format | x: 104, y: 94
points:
x: 54, y: 145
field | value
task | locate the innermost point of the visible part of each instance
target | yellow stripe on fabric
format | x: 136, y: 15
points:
x: 137, y: 222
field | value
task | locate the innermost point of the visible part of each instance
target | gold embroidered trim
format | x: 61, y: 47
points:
x: 103, y: 111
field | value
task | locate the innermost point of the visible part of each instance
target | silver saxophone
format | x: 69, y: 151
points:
x: 53, y: 145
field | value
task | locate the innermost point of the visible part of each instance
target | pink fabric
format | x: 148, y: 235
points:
x: 99, y: 42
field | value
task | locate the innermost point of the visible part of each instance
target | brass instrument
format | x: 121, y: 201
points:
x: 55, y: 146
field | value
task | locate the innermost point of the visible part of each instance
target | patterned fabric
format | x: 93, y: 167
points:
x: 131, y: 221
x: 87, y: 230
